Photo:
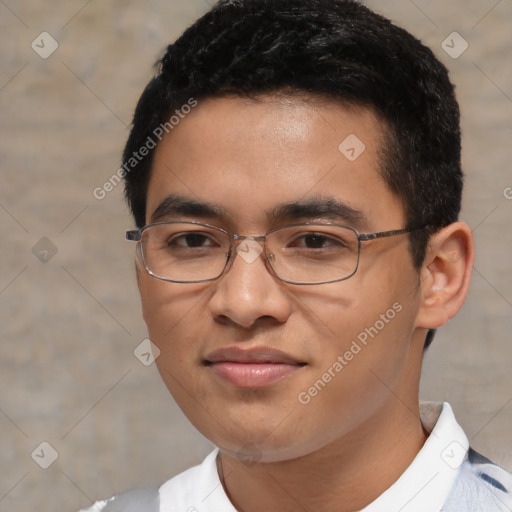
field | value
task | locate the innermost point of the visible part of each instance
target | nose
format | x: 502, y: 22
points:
x: 248, y: 294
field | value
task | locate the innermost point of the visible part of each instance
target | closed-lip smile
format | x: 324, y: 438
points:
x: 254, y: 368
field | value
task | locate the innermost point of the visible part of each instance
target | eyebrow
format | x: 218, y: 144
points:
x: 176, y: 205
x: 319, y: 208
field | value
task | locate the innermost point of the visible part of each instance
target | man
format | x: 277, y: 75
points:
x: 294, y: 175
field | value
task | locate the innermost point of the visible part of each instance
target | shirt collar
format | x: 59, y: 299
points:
x: 426, y: 483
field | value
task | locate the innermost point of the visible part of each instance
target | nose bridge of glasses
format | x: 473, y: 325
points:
x: 248, y: 243
x: 248, y: 248
x: 238, y: 239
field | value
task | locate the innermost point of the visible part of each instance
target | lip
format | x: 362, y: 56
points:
x: 252, y: 368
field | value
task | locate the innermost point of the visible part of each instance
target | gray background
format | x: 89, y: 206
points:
x: 69, y: 326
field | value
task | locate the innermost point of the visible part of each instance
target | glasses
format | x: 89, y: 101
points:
x: 308, y: 253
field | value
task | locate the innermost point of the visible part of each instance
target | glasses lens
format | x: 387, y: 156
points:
x: 184, y: 252
x: 315, y: 253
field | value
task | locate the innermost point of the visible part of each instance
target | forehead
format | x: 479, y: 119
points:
x: 249, y: 155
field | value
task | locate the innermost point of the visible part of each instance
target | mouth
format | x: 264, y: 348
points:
x: 252, y: 368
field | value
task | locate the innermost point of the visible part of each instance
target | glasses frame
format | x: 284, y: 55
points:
x: 135, y: 235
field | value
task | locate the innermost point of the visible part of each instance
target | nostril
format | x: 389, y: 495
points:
x: 223, y: 319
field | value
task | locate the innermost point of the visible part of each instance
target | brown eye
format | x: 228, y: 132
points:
x: 317, y: 241
x: 190, y: 240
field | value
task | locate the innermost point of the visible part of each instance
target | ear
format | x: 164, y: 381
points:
x: 445, y: 275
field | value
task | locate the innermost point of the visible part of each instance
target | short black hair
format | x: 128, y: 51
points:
x: 335, y: 49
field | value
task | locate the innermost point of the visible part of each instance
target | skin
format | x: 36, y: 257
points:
x: 341, y: 450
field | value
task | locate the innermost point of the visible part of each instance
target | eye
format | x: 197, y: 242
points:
x: 191, y: 240
x: 317, y: 241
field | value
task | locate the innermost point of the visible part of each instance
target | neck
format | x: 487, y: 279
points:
x: 344, y: 475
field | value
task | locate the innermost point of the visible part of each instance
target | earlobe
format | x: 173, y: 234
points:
x: 445, y: 275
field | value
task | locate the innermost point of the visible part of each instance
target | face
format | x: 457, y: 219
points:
x: 253, y: 361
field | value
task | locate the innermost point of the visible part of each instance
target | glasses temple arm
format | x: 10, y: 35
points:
x: 382, y: 234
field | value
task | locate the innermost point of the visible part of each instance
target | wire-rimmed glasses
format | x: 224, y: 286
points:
x: 306, y: 253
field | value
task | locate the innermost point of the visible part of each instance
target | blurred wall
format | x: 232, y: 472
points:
x: 69, y: 311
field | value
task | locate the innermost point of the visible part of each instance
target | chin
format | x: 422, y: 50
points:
x: 276, y: 437
x: 265, y: 451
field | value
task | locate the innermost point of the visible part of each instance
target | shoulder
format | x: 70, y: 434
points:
x: 134, y: 500
x: 181, y: 492
x: 98, y: 506
x: 481, y: 486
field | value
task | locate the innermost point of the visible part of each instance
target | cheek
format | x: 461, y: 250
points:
x: 362, y: 338
x: 357, y: 371
x: 165, y: 305
x: 174, y: 315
